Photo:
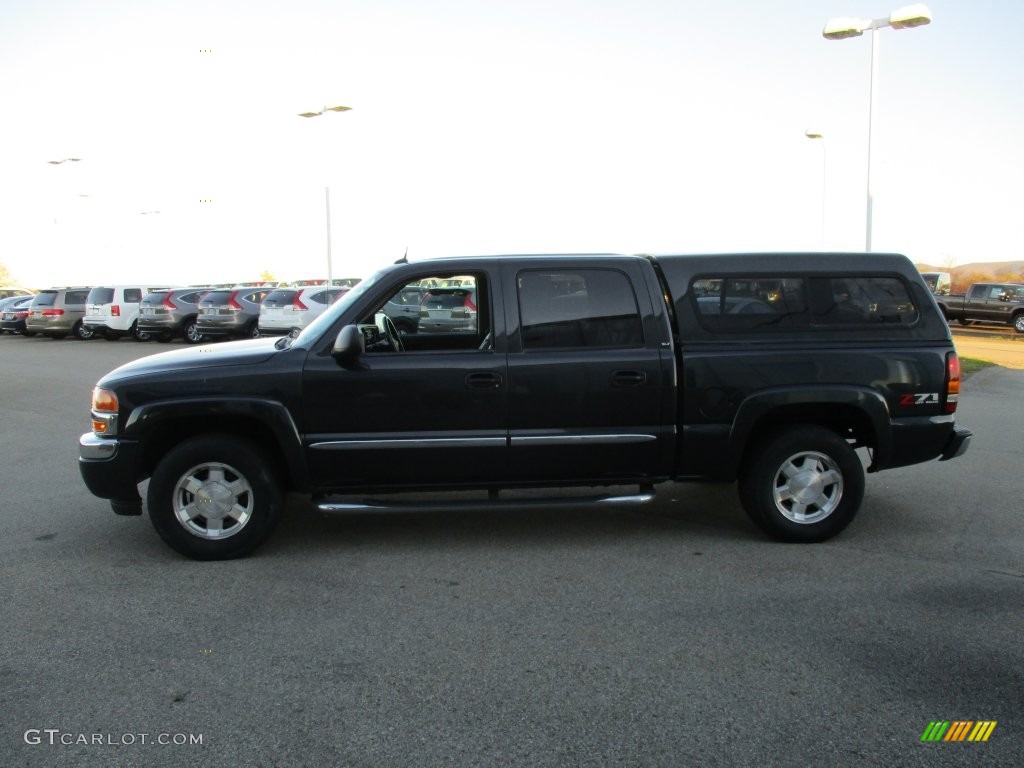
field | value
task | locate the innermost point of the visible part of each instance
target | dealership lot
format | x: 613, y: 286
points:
x: 670, y: 635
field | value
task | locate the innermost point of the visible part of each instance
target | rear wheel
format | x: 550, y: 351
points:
x: 805, y: 484
x: 253, y: 331
x: 1018, y: 323
x: 139, y: 335
x: 191, y: 332
x: 82, y: 331
x: 214, y: 497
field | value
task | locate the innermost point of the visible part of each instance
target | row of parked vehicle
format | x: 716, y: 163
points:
x: 200, y: 313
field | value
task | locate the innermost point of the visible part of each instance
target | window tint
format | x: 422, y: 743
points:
x: 214, y: 298
x: 744, y: 303
x: 154, y: 299
x: 76, y: 297
x: 44, y: 299
x: 132, y: 295
x: 280, y: 298
x: 579, y: 308
x: 862, y: 300
x: 191, y: 298
x: 101, y: 296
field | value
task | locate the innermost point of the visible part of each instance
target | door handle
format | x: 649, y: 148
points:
x: 628, y: 378
x: 483, y: 380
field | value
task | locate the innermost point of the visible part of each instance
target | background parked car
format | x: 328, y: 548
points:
x: 231, y: 312
x: 112, y: 311
x: 165, y: 314
x: 404, y: 309
x: 444, y: 310
x: 7, y: 291
x: 13, y: 311
x: 285, y: 310
x: 56, y: 312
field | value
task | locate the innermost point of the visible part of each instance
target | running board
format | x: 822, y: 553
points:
x: 324, y: 504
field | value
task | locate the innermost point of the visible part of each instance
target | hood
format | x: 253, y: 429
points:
x: 231, y: 353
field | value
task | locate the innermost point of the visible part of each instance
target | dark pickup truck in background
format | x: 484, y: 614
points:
x: 989, y: 303
x: 552, y: 371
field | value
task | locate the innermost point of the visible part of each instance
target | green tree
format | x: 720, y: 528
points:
x: 267, y: 276
x: 5, y: 275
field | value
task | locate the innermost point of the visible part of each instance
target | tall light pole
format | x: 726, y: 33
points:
x: 839, y: 29
x: 327, y: 189
x: 820, y: 138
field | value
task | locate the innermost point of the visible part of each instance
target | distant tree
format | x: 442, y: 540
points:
x: 267, y: 276
x: 963, y: 280
x: 5, y: 275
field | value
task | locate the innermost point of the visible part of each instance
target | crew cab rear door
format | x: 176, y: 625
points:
x: 587, y: 382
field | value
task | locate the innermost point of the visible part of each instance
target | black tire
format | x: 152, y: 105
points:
x: 215, y: 462
x: 190, y: 331
x: 83, y: 331
x: 1018, y: 323
x: 829, y: 478
x: 139, y: 335
x: 253, y: 331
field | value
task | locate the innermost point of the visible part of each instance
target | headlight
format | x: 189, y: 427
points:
x: 104, y: 412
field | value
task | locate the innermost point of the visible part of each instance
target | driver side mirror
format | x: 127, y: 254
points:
x: 349, y: 345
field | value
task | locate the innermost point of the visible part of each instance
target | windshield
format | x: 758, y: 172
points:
x: 318, y: 327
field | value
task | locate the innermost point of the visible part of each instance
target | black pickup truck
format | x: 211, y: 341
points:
x: 990, y: 303
x: 545, y: 371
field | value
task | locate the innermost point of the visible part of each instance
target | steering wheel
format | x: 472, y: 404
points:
x: 387, y: 330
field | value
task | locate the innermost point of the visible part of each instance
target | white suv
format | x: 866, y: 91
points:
x: 112, y: 311
x: 287, y: 310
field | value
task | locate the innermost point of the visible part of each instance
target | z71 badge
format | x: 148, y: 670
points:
x: 920, y: 398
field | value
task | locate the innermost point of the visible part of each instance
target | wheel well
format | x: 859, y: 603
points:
x: 170, y: 434
x: 850, y: 423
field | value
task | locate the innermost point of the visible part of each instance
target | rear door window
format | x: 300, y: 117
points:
x: 578, y: 308
x: 132, y: 295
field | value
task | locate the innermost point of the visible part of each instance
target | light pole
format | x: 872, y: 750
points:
x: 839, y: 29
x: 327, y: 189
x: 820, y: 137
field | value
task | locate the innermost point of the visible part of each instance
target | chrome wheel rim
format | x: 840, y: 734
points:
x: 1018, y: 324
x: 192, y: 332
x: 213, y: 501
x: 808, y: 487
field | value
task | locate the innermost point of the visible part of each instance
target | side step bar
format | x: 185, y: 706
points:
x: 326, y: 504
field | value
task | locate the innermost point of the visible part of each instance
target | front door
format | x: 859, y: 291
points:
x: 432, y: 412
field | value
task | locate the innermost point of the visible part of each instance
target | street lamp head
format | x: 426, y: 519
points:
x: 811, y: 134
x: 310, y: 114
x: 842, y: 28
x: 912, y: 16
x: 337, y: 109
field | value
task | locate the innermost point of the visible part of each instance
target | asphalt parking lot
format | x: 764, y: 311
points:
x: 670, y: 635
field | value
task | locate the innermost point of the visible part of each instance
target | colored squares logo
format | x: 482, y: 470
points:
x: 958, y: 730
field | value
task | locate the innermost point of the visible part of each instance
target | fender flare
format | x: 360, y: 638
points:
x: 755, y: 408
x: 145, y: 420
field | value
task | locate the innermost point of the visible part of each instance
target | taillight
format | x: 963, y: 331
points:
x: 299, y: 306
x: 115, y: 310
x: 952, y: 382
x: 167, y: 301
x: 232, y: 303
x: 470, y: 306
x: 53, y: 312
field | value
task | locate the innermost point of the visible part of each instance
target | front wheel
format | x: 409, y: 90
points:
x: 806, y: 484
x: 214, y: 497
x: 1018, y: 323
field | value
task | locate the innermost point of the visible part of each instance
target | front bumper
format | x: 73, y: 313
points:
x: 109, y: 467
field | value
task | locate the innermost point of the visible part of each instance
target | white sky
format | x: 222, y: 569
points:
x: 480, y: 127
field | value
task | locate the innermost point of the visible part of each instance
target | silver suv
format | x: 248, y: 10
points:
x: 56, y: 312
x: 232, y: 312
x: 169, y: 313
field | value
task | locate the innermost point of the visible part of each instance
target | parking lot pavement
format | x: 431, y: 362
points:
x: 666, y: 636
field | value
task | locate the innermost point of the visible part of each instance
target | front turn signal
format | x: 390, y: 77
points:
x: 104, y: 411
